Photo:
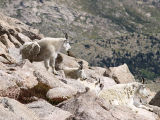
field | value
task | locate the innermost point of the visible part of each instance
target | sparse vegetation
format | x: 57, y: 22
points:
x: 39, y: 91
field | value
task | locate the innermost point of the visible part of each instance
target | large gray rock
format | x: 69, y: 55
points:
x: 88, y: 107
x: 4, y: 39
x: 66, y: 61
x: 14, y: 78
x: 24, y: 76
x: 95, y: 74
x: 70, y: 62
x: 75, y: 84
x: 8, y: 87
x: 121, y: 74
x: 46, y: 77
x: 98, y: 70
x: 60, y: 94
x: 107, y: 82
x: 22, y: 38
x: 3, y: 48
x: 6, y: 80
x: 15, y: 54
x: 11, y: 109
x: 15, y: 41
x: 20, y: 75
x: 46, y: 111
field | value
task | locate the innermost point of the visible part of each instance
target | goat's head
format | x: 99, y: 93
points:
x: 142, y: 92
x: 66, y: 44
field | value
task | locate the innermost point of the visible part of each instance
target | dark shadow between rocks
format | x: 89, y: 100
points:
x: 156, y: 100
x: 30, y: 95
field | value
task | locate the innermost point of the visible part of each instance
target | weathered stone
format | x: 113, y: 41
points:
x: 85, y: 63
x: 124, y: 113
x: 4, y: 39
x: 2, y: 66
x: 97, y: 75
x: 107, y: 82
x: 15, y: 54
x: 70, y: 62
x: 46, y: 111
x: 32, y: 33
x: 88, y: 107
x: 3, y: 48
x: 15, y: 41
x: 46, y: 77
x: 11, y: 109
x: 6, y: 80
x: 98, y: 70
x: 75, y: 84
x: 22, y: 38
x: 25, y: 76
x: 8, y: 59
x: 121, y: 74
x: 60, y: 94
x: 66, y: 61
x: 3, y: 60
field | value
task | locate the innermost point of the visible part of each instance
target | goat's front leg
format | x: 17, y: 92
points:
x: 46, y: 64
x: 52, y: 63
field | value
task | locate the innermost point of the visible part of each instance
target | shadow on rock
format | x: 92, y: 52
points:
x: 156, y: 100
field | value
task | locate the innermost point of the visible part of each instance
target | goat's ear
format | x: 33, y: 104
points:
x: 66, y: 35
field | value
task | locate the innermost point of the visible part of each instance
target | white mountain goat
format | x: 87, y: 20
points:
x: 45, y: 50
x: 133, y: 95
x: 75, y: 73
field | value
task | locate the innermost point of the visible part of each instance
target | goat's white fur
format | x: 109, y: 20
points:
x: 133, y: 95
x: 45, y: 50
x: 74, y: 73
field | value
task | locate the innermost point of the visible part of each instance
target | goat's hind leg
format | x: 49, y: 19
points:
x: 52, y: 63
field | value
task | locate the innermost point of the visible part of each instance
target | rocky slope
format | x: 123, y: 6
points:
x: 105, y: 33
x: 29, y: 92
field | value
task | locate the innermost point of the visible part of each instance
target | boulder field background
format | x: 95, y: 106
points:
x: 29, y: 92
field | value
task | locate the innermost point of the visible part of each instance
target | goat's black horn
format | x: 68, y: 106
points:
x: 66, y: 35
x: 143, y: 80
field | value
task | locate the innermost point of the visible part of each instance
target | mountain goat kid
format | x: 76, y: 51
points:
x: 75, y: 73
x: 133, y: 95
x: 45, y: 50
